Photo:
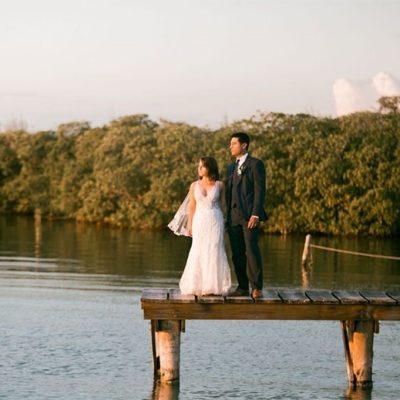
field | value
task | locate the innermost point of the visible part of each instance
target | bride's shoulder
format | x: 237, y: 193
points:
x: 193, y: 185
x: 220, y: 184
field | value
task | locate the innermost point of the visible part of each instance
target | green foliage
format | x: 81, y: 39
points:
x: 326, y: 175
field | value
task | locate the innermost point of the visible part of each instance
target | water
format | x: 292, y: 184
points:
x: 71, y: 326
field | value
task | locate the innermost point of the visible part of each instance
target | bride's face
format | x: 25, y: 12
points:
x: 202, y: 170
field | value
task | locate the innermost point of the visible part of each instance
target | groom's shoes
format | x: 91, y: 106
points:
x: 239, y: 292
x: 256, y: 294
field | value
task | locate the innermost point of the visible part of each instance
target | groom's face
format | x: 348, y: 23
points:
x: 237, y: 148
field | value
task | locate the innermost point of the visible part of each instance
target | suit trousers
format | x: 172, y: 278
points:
x: 246, y: 255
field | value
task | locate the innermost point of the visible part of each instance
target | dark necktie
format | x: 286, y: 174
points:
x: 237, y: 165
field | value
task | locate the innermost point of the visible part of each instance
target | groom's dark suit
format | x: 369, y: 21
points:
x: 245, y: 195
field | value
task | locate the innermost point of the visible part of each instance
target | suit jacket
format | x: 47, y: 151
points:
x: 251, y: 188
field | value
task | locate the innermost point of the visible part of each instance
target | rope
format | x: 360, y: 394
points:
x: 355, y: 252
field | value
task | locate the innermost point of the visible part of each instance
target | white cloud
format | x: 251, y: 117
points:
x: 361, y: 96
x: 385, y: 85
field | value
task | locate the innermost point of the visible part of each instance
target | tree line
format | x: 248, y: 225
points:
x: 338, y: 176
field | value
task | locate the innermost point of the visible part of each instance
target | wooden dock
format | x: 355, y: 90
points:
x: 359, y: 313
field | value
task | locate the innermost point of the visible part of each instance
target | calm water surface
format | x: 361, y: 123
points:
x: 71, y: 326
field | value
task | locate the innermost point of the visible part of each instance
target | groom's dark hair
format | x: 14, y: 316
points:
x: 242, y: 137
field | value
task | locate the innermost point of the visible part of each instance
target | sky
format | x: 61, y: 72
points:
x: 204, y: 62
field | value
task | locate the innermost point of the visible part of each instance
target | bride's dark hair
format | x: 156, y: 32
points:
x: 210, y: 163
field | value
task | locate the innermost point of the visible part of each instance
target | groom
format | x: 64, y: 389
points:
x: 245, y: 194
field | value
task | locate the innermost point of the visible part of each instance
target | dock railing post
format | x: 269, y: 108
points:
x: 306, y: 251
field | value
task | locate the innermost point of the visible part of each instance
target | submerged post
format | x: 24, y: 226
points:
x: 165, y: 391
x: 167, y: 342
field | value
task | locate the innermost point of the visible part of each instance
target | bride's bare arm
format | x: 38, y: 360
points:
x: 192, y: 207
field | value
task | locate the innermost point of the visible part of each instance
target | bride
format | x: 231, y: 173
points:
x: 207, y: 270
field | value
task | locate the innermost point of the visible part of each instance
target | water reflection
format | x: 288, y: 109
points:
x: 358, y: 393
x: 165, y: 391
x: 38, y: 234
x: 158, y: 258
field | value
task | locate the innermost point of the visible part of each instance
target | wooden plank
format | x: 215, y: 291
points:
x: 394, y: 295
x: 155, y: 295
x: 270, y: 296
x: 260, y: 311
x: 293, y: 296
x: 350, y: 297
x: 321, y: 297
x: 239, y: 299
x: 375, y: 297
x: 175, y: 296
x: 211, y: 299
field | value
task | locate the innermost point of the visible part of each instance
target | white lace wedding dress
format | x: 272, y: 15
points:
x: 207, y: 270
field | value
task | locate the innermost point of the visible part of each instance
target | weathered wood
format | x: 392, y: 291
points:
x: 375, y: 297
x: 347, y: 353
x: 350, y: 297
x: 155, y: 295
x: 306, y: 251
x: 175, y: 296
x: 321, y: 297
x: 270, y: 296
x: 211, y: 299
x: 168, y: 346
x: 164, y: 304
x: 359, y: 312
x: 305, y: 275
x: 259, y: 310
x: 394, y: 295
x: 239, y: 299
x: 361, y: 349
x: 293, y: 296
x: 156, y: 358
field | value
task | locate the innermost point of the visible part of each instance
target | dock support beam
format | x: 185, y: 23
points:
x: 358, y: 339
x: 166, y: 343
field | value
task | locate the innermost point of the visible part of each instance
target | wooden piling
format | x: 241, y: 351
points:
x: 156, y: 358
x: 167, y: 352
x: 358, y: 337
x: 306, y: 251
x: 347, y: 353
x: 305, y: 276
x: 361, y: 348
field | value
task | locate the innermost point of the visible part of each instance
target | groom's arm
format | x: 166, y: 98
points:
x: 259, y: 180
